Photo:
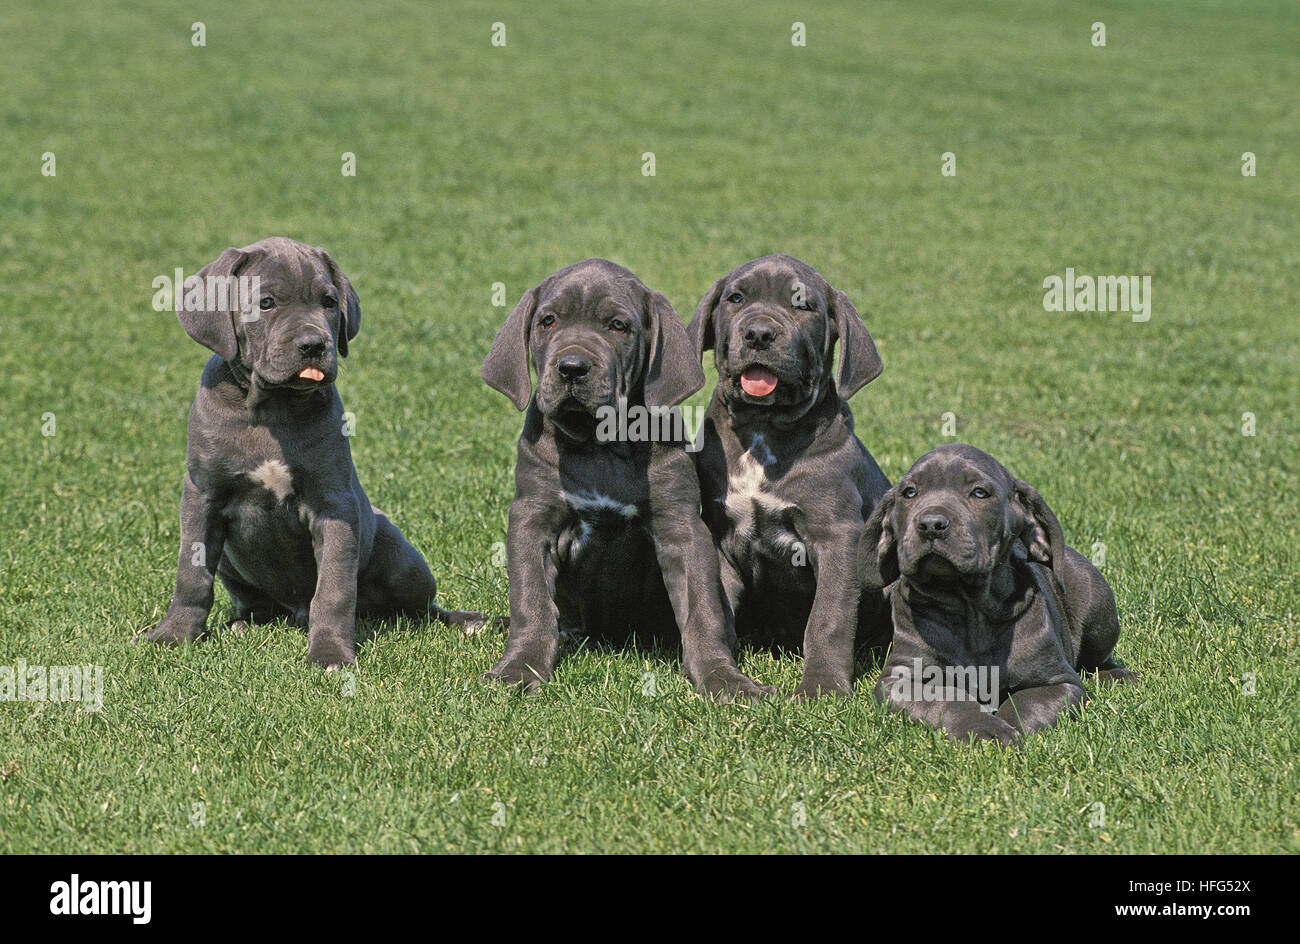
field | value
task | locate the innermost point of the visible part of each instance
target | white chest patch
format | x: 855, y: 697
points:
x: 746, y: 490
x: 590, y: 502
x: 574, y: 540
x: 274, y: 476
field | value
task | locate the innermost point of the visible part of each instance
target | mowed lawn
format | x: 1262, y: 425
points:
x: 478, y: 164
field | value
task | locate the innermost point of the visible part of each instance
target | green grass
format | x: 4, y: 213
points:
x: 478, y: 165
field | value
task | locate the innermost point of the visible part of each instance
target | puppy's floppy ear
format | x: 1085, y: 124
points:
x: 214, y: 329
x: 673, y: 369
x: 859, y: 362
x: 505, y: 368
x: 701, y: 327
x: 1041, y: 533
x: 349, y: 304
x: 878, y: 552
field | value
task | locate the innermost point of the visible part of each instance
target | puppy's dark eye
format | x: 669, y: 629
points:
x: 978, y: 492
x: 330, y: 301
x: 909, y: 492
x: 267, y: 303
x: 547, y: 321
x: 620, y: 326
x: 735, y: 298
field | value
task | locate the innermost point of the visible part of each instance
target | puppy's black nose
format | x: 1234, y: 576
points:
x: 932, y: 525
x: 759, y: 335
x: 311, y: 346
x: 573, y: 367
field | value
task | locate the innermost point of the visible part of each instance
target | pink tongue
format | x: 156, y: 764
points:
x: 312, y: 373
x: 757, y: 381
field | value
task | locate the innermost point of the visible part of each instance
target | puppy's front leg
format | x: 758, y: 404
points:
x: 833, y: 622
x: 331, y: 622
x: 534, y: 628
x: 733, y: 595
x: 955, y: 713
x: 203, y: 534
x: 1032, y: 709
x: 688, y: 561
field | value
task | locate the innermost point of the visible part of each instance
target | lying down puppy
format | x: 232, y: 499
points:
x: 994, y: 617
x: 271, y: 502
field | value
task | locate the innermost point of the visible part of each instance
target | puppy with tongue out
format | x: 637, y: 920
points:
x: 757, y: 381
x: 785, y: 483
x: 271, y: 503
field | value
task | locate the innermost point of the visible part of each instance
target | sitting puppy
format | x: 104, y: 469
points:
x: 271, y: 502
x: 605, y: 535
x: 786, y: 483
x: 990, y: 607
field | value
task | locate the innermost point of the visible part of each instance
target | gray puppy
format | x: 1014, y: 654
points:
x: 786, y: 483
x: 271, y: 503
x: 990, y: 608
x: 605, y: 536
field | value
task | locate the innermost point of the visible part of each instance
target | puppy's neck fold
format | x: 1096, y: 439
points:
x: 242, y: 376
x: 254, y: 397
x: 578, y: 432
x: 1000, y: 597
x: 820, y: 412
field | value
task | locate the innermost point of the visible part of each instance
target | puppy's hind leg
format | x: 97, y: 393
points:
x: 1090, y: 604
x: 251, y: 606
x: 470, y: 622
x: 397, y: 581
x: 1113, y: 672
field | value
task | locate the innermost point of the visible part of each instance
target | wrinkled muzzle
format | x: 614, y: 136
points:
x: 767, y: 362
x: 577, y: 378
x: 941, y: 542
x: 298, y: 353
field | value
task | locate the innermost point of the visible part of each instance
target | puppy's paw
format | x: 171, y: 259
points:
x: 1117, y: 675
x: 170, y: 634
x: 728, y: 683
x: 330, y: 655
x: 819, y: 686
x: 469, y: 622
x: 516, y: 675
x: 985, y: 727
